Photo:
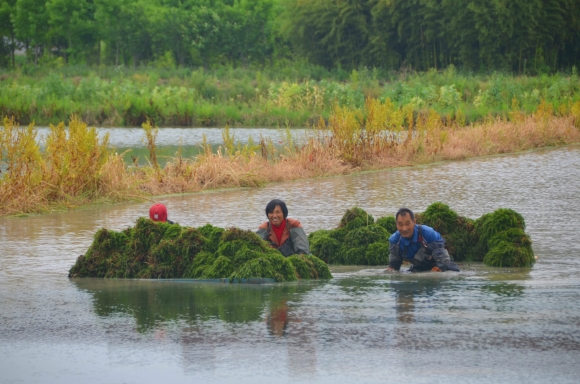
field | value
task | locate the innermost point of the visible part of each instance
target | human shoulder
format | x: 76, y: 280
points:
x: 294, y: 223
x: 430, y: 234
x: 264, y: 225
x: 394, y: 238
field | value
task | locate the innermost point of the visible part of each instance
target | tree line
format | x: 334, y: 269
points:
x: 519, y: 36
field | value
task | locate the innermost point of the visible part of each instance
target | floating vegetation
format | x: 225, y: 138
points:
x: 497, y: 239
x: 160, y: 250
x: 358, y: 240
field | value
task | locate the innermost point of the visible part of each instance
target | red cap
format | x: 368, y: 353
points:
x: 158, y: 212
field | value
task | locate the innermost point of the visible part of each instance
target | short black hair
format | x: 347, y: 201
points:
x: 405, y: 212
x: 272, y: 205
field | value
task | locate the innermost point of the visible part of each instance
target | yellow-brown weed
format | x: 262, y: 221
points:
x: 79, y: 168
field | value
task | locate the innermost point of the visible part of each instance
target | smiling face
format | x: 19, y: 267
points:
x: 405, y: 225
x: 276, y: 216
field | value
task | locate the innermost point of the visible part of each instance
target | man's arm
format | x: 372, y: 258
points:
x: 395, y: 260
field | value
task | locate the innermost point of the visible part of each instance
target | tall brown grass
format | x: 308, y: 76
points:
x: 77, y: 167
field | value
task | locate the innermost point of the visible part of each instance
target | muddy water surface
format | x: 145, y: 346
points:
x: 482, y: 325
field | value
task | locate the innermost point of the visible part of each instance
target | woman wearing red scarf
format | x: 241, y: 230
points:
x: 284, y: 234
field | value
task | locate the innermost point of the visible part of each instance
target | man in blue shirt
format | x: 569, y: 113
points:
x: 418, y: 244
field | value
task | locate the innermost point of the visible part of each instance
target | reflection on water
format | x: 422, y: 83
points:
x: 482, y: 325
x: 155, y: 302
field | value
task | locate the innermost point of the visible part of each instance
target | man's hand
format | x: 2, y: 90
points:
x: 390, y: 269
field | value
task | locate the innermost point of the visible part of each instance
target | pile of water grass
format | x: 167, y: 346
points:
x: 160, y: 250
x: 497, y: 239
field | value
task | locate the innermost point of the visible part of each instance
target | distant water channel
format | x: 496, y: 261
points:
x: 482, y: 325
x: 187, y: 142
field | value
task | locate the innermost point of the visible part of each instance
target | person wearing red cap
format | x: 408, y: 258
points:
x: 158, y: 212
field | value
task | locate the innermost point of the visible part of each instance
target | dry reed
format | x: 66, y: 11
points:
x: 76, y: 168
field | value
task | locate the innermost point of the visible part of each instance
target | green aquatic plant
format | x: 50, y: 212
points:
x: 283, y: 267
x: 456, y: 230
x: 512, y: 248
x: 506, y: 254
x: 377, y: 253
x: 354, y: 218
x: 162, y: 250
x: 200, y: 263
x: 357, y: 241
x: 212, y: 235
x: 440, y: 216
x: 489, y: 225
x: 460, y: 241
x: 497, y: 239
x: 222, y: 266
x: 387, y: 222
x: 310, y: 267
x: 107, y: 250
x: 323, y: 245
x: 363, y: 236
x: 260, y: 266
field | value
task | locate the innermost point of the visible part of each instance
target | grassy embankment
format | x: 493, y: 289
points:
x: 291, y: 96
x: 438, y: 123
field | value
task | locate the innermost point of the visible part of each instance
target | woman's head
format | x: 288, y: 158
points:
x: 276, y: 211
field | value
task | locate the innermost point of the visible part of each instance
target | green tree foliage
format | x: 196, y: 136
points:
x: 7, y: 37
x: 72, y: 27
x: 521, y: 35
x: 30, y: 27
x: 524, y: 36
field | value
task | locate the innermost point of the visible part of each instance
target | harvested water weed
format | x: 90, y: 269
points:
x: 497, y: 239
x: 153, y: 250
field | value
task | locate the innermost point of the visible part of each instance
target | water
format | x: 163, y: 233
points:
x: 482, y: 325
x: 187, y: 142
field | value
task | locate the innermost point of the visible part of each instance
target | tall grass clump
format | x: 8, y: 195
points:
x: 21, y: 168
x: 75, y: 166
x: 73, y: 160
